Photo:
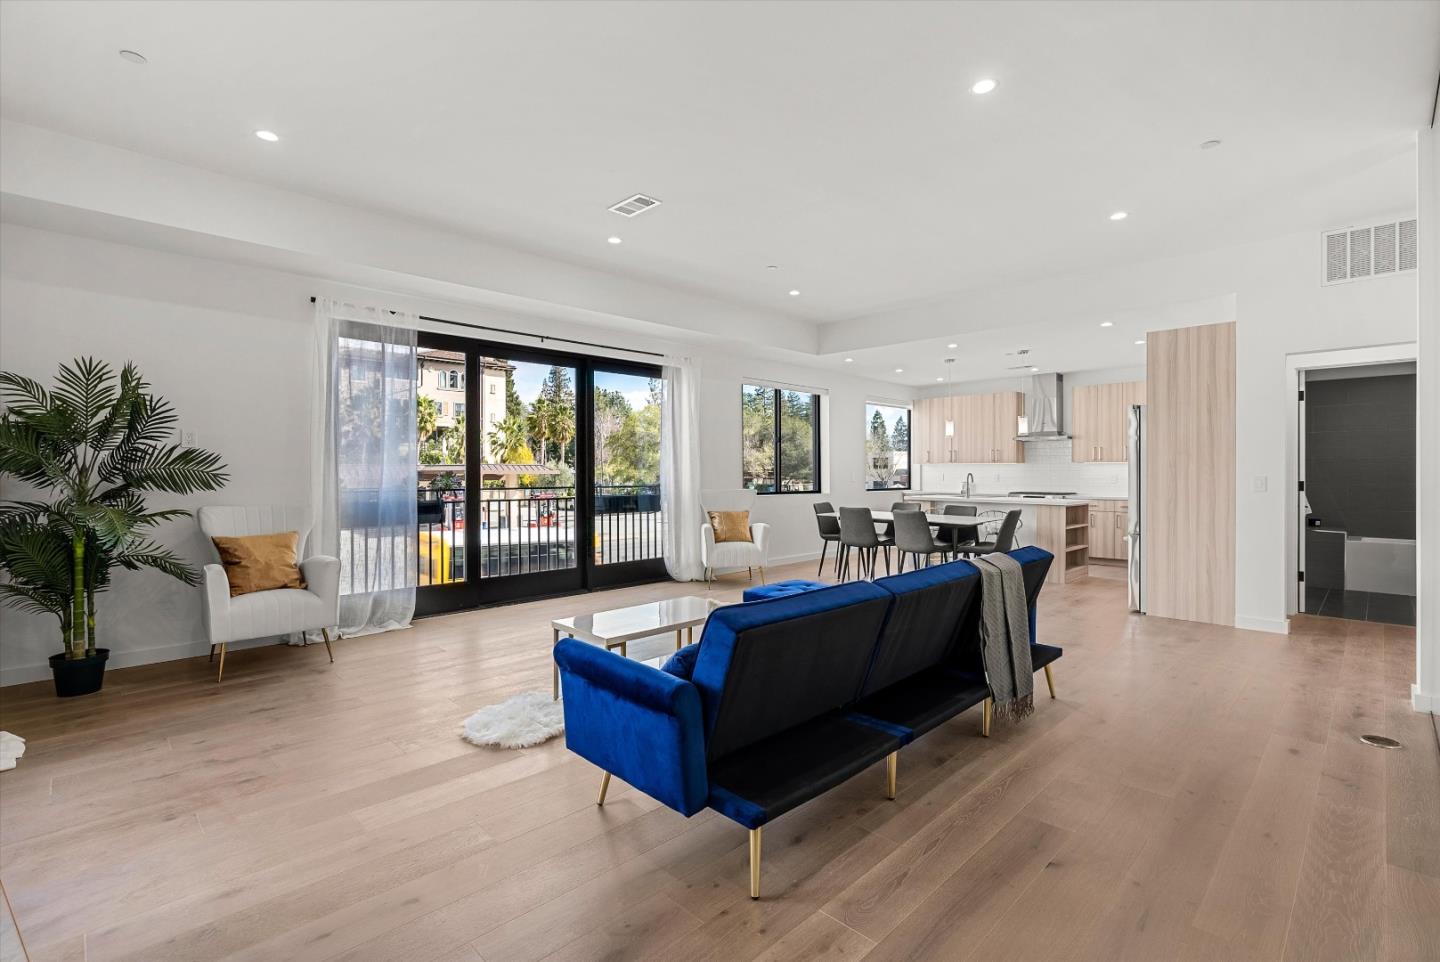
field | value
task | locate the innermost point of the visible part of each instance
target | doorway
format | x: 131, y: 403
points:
x: 1356, y: 494
x: 538, y: 473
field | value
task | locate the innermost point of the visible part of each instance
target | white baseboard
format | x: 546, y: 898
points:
x: 21, y: 674
x: 1275, y: 626
x: 1423, y: 702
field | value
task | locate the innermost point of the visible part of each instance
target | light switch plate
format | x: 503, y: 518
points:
x: 1260, y: 484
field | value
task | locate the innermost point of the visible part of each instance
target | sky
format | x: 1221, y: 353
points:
x: 529, y: 377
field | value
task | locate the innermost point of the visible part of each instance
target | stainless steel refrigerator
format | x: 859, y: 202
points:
x: 1134, y: 531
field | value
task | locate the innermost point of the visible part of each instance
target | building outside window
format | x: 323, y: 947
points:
x: 780, y: 440
x: 887, y: 446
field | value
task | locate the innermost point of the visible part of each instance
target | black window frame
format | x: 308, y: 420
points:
x: 909, y: 410
x: 778, y: 408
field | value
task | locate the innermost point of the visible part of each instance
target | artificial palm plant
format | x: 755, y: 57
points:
x: 100, y: 444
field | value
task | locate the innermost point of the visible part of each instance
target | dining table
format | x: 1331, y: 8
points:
x: 971, y: 521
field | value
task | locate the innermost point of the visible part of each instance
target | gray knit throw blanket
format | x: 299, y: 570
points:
x: 1005, y: 635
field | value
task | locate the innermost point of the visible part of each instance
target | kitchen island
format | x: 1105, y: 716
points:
x: 1059, y: 525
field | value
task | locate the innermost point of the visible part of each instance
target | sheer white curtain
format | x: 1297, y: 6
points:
x: 680, y: 470
x: 364, y: 456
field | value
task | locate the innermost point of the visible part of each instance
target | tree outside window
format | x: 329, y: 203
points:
x: 887, y: 447
x: 780, y: 440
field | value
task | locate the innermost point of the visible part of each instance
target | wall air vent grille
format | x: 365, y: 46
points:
x: 1356, y: 253
x: 631, y: 206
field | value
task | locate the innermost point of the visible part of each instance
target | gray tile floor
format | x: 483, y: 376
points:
x: 1360, y: 605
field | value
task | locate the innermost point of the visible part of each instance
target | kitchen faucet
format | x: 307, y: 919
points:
x: 969, y: 483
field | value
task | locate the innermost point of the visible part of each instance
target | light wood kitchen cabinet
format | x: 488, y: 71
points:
x: 1108, y: 522
x: 1100, y: 420
x: 984, y: 427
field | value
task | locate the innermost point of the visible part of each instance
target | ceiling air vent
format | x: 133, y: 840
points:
x: 1356, y: 253
x: 631, y: 206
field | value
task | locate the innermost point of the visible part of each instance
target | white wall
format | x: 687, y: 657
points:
x: 1282, y: 309
x: 229, y: 345
x: 1425, y: 694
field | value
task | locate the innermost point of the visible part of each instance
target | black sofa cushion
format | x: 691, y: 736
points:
x: 921, y: 702
x: 770, y: 777
x: 767, y: 666
x: 930, y: 608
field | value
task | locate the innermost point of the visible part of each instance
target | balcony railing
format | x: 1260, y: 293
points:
x: 628, y: 523
x: 530, y: 530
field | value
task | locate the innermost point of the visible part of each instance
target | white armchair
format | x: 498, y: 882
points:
x: 261, y: 614
x: 751, y: 554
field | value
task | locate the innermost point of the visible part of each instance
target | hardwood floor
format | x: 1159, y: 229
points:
x: 1195, y: 793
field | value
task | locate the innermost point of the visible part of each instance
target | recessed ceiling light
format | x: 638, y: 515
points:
x: 1107, y: 323
x: 939, y: 379
x: 772, y: 267
x: 983, y: 86
x: 133, y: 56
x: 849, y: 360
x: 899, y: 370
x: 1210, y: 145
x: 614, y: 240
x: 1034, y: 369
x: 1119, y: 215
x: 952, y: 346
x: 1139, y: 342
x: 794, y: 293
x: 269, y: 136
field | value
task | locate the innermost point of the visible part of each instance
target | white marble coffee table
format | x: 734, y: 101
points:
x: 620, y: 626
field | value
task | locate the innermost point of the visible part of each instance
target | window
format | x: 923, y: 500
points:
x: 454, y: 380
x: 887, y: 446
x: 779, y: 440
x: 492, y: 388
x: 439, y: 378
x: 459, y: 409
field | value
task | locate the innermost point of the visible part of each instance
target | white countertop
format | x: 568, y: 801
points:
x: 957, y: 497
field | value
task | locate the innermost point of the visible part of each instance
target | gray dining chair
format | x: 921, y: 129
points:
x: 1004, y: 538
x: 955, y: 537
x: 913, y: 537
x: 857, y: 532
x: 829, y: 532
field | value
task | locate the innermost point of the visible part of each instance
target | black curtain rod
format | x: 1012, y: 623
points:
x: 541, y: 337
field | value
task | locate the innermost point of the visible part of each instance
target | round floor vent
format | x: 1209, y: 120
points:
x: 1379, y: 741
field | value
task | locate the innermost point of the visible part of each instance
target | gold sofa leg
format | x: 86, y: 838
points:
x: 985, y: 717
x: 755, y: 863
x: 604, y: 787
x: 1050, y: 680
x: 892, y: 771
x: 221, y: 673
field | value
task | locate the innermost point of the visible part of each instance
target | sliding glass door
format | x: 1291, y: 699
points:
x: 509, y: 440
x: 627, y: 521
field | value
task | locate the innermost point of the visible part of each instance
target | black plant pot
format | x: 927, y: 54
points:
x: 79, y: 676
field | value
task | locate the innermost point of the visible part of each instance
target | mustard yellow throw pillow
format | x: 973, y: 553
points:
x: 260, y: 562
x: 730, y: 526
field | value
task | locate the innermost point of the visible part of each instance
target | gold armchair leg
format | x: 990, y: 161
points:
x: 892, y: 771
x: 762, y: 574
x: 755, y: 863
x: 221, y: 673
x: 325, y: 633
x: 1050, y: 680
x: 985, y: 717
x: 604, y: 787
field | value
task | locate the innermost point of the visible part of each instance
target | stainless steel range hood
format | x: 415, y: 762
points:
x: 1044, y: 417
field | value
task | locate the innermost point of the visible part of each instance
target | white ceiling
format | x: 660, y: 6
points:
x: 837, y: 140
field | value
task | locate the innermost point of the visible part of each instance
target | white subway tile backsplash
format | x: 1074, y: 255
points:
x: 1047, y: 467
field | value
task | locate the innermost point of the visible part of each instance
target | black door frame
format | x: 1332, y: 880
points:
x: 587, y: 575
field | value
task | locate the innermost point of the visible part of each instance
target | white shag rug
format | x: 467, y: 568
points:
x: 527, y: 719
x: 11, y: 748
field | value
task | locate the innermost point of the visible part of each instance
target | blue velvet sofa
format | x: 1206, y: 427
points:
x: 790, y: 696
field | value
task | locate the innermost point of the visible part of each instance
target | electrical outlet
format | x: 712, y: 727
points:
x: 187, y: 439
x: 1260, y: 484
